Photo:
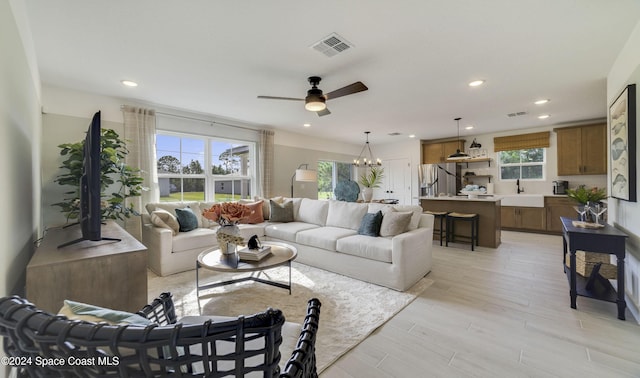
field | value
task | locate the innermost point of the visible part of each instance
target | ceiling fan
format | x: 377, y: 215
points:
x: 316, y: 101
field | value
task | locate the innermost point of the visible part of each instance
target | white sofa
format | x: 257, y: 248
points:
x: 325, y: 234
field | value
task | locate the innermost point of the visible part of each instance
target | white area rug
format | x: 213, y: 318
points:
x: 351, y: 309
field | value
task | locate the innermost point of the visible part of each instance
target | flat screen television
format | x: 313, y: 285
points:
x: 90, y: 218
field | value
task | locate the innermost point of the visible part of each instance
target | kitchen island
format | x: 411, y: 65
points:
x: 487, y: 207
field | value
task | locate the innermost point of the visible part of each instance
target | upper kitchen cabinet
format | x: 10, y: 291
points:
x: 582, y: 150
x: 437, y: 152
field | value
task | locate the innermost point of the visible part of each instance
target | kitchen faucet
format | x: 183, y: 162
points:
x: 520, y: 190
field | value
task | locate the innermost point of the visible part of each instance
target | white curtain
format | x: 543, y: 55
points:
x: 140, y: 136
x: 266, y: 163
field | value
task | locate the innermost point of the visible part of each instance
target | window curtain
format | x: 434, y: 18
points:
x: 140, y: 136
x: 266, y: 163
x: 521, y: 142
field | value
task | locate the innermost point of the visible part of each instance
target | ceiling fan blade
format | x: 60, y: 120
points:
x: 349, y: 89
x: 281, y: 98
x: 323, y: 112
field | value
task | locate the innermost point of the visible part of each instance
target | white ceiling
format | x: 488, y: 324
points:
x: 416, y: 57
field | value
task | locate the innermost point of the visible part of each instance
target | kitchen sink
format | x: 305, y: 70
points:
x: 525, y: 200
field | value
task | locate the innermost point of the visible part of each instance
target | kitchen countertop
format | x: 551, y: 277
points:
x: 481, y: 198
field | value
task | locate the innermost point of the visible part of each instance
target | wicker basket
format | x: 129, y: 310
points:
x: 585, y: 261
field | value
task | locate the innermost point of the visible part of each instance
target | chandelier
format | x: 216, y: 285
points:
x: 362, y: 158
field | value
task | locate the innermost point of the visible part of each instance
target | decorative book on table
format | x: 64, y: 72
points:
x: 256, y: 254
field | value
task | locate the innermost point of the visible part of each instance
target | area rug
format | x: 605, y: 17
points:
x: 351, y: 309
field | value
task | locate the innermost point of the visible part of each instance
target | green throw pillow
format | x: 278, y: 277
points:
x: 187, y: 219
x: 370, y: 225
x: 82, y: 311
x: 281, y: 212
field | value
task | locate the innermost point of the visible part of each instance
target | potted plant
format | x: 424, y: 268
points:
x: 125, y: 181
x: 582, y: 195
x: 370, y: 180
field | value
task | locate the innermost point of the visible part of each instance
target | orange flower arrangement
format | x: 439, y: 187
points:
x: 227, y: 213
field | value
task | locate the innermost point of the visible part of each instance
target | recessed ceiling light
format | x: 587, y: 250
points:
x: 540, y: 102
x: 412, y: 135
x: 476, y: 83
x: 468, y: 127
x: 129, y: 83
x: 306, y: 125
x: 544, y: 116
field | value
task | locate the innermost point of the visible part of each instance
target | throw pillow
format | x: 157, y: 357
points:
x: 164, y: 219
x: 281, y: 212
x: 256, y: 215
x: 395, y: 222
x: 90, y: 313
x: 187, y: 219
x: 370, y: 225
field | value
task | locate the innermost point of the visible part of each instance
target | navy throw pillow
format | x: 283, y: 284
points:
x: 370, y: 225
x: 187, y: 219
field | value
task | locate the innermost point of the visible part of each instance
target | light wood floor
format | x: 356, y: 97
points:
x: 499, y: 313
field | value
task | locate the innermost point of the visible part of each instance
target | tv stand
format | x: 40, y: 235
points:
x: 112, y: 275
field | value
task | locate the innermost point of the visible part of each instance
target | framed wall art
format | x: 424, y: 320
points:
x: 622, y: 123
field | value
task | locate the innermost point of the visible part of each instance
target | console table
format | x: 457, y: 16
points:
x: 105, y: 273
x: 608, y: 240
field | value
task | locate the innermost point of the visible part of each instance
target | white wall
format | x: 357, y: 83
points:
x: 623, y: 214
x: 19, y: 145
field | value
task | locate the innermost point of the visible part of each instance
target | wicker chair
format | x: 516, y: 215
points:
x: 53, y: 346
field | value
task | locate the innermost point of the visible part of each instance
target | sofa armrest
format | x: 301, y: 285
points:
x: 159, y: 242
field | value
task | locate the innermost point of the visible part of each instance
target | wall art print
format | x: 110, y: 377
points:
x: 622, y: 123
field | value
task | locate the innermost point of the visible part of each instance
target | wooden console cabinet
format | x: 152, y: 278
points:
x: 105, y: 273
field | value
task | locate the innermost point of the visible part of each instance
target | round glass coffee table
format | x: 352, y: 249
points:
x: 213, y: 259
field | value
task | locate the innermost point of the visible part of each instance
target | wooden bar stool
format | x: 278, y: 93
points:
x: 441, y: 215
x: 453, y: 217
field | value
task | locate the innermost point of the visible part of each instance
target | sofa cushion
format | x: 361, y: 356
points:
x: 164, y: 219
x: 415, y: 216
x: 90, y: 313
x: 286, y: 231
x: 312, y: 211
x: 346, y: 214
x: 378, y: 249
x: 281, y: 212
x: 256, y: 215
x: 395, y: 222
x: 323, y: 237
x: 370, y: 225
x: 198, y: 238
x: 187, y: 219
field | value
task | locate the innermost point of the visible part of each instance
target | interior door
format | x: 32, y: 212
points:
x: 397, y: 180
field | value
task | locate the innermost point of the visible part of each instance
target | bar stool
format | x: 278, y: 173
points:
x: 453, y: 217
x: 441, y: 215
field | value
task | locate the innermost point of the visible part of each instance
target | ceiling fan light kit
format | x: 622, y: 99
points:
x: 458, y: 155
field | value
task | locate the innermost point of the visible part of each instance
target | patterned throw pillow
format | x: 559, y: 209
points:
x: 187, y: 219
x: 257, y: 216
x: 164, y: 219
x: 281, y: 212
x: 90, y: 313
x: 370, y: 225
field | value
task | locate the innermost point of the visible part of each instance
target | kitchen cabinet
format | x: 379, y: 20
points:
x: 558, y: 207
x: 437, y: 152
x: 523, y: 218
x: 582, y: 150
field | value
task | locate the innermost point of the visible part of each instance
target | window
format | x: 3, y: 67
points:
x: 195, y: 168
x: 525, y: 164
x: 329, y: 174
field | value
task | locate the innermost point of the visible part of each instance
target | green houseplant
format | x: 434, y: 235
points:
x: 121, y: 178
x: 583, y: 195
x: 370, y: 180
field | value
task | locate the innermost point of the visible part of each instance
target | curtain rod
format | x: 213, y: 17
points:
x: 200, y: 120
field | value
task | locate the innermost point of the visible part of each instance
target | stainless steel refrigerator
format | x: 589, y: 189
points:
x: 440, y: 179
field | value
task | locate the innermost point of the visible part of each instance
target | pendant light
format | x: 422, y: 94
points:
x: 458, y: 155
x: 363, y: 156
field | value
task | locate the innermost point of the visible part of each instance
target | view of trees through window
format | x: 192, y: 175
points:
x: 200, y: 168
x: 527, y: 164
x: 329, y: 174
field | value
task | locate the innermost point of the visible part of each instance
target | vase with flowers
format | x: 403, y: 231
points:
x: 228, y: 215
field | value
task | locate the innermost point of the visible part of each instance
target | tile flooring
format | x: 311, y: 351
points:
x: 499, y: 313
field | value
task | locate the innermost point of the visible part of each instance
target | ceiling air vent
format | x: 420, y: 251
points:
x: 332, y: 45
x: 394, y: 133
x: 516, y: 114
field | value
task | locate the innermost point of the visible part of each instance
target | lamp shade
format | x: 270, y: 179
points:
x: 306, y: 175
x: 458, y: 155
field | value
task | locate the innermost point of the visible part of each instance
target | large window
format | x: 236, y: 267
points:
x: 329, y: 174
x: 525, y: 164
x: 195, y: 168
